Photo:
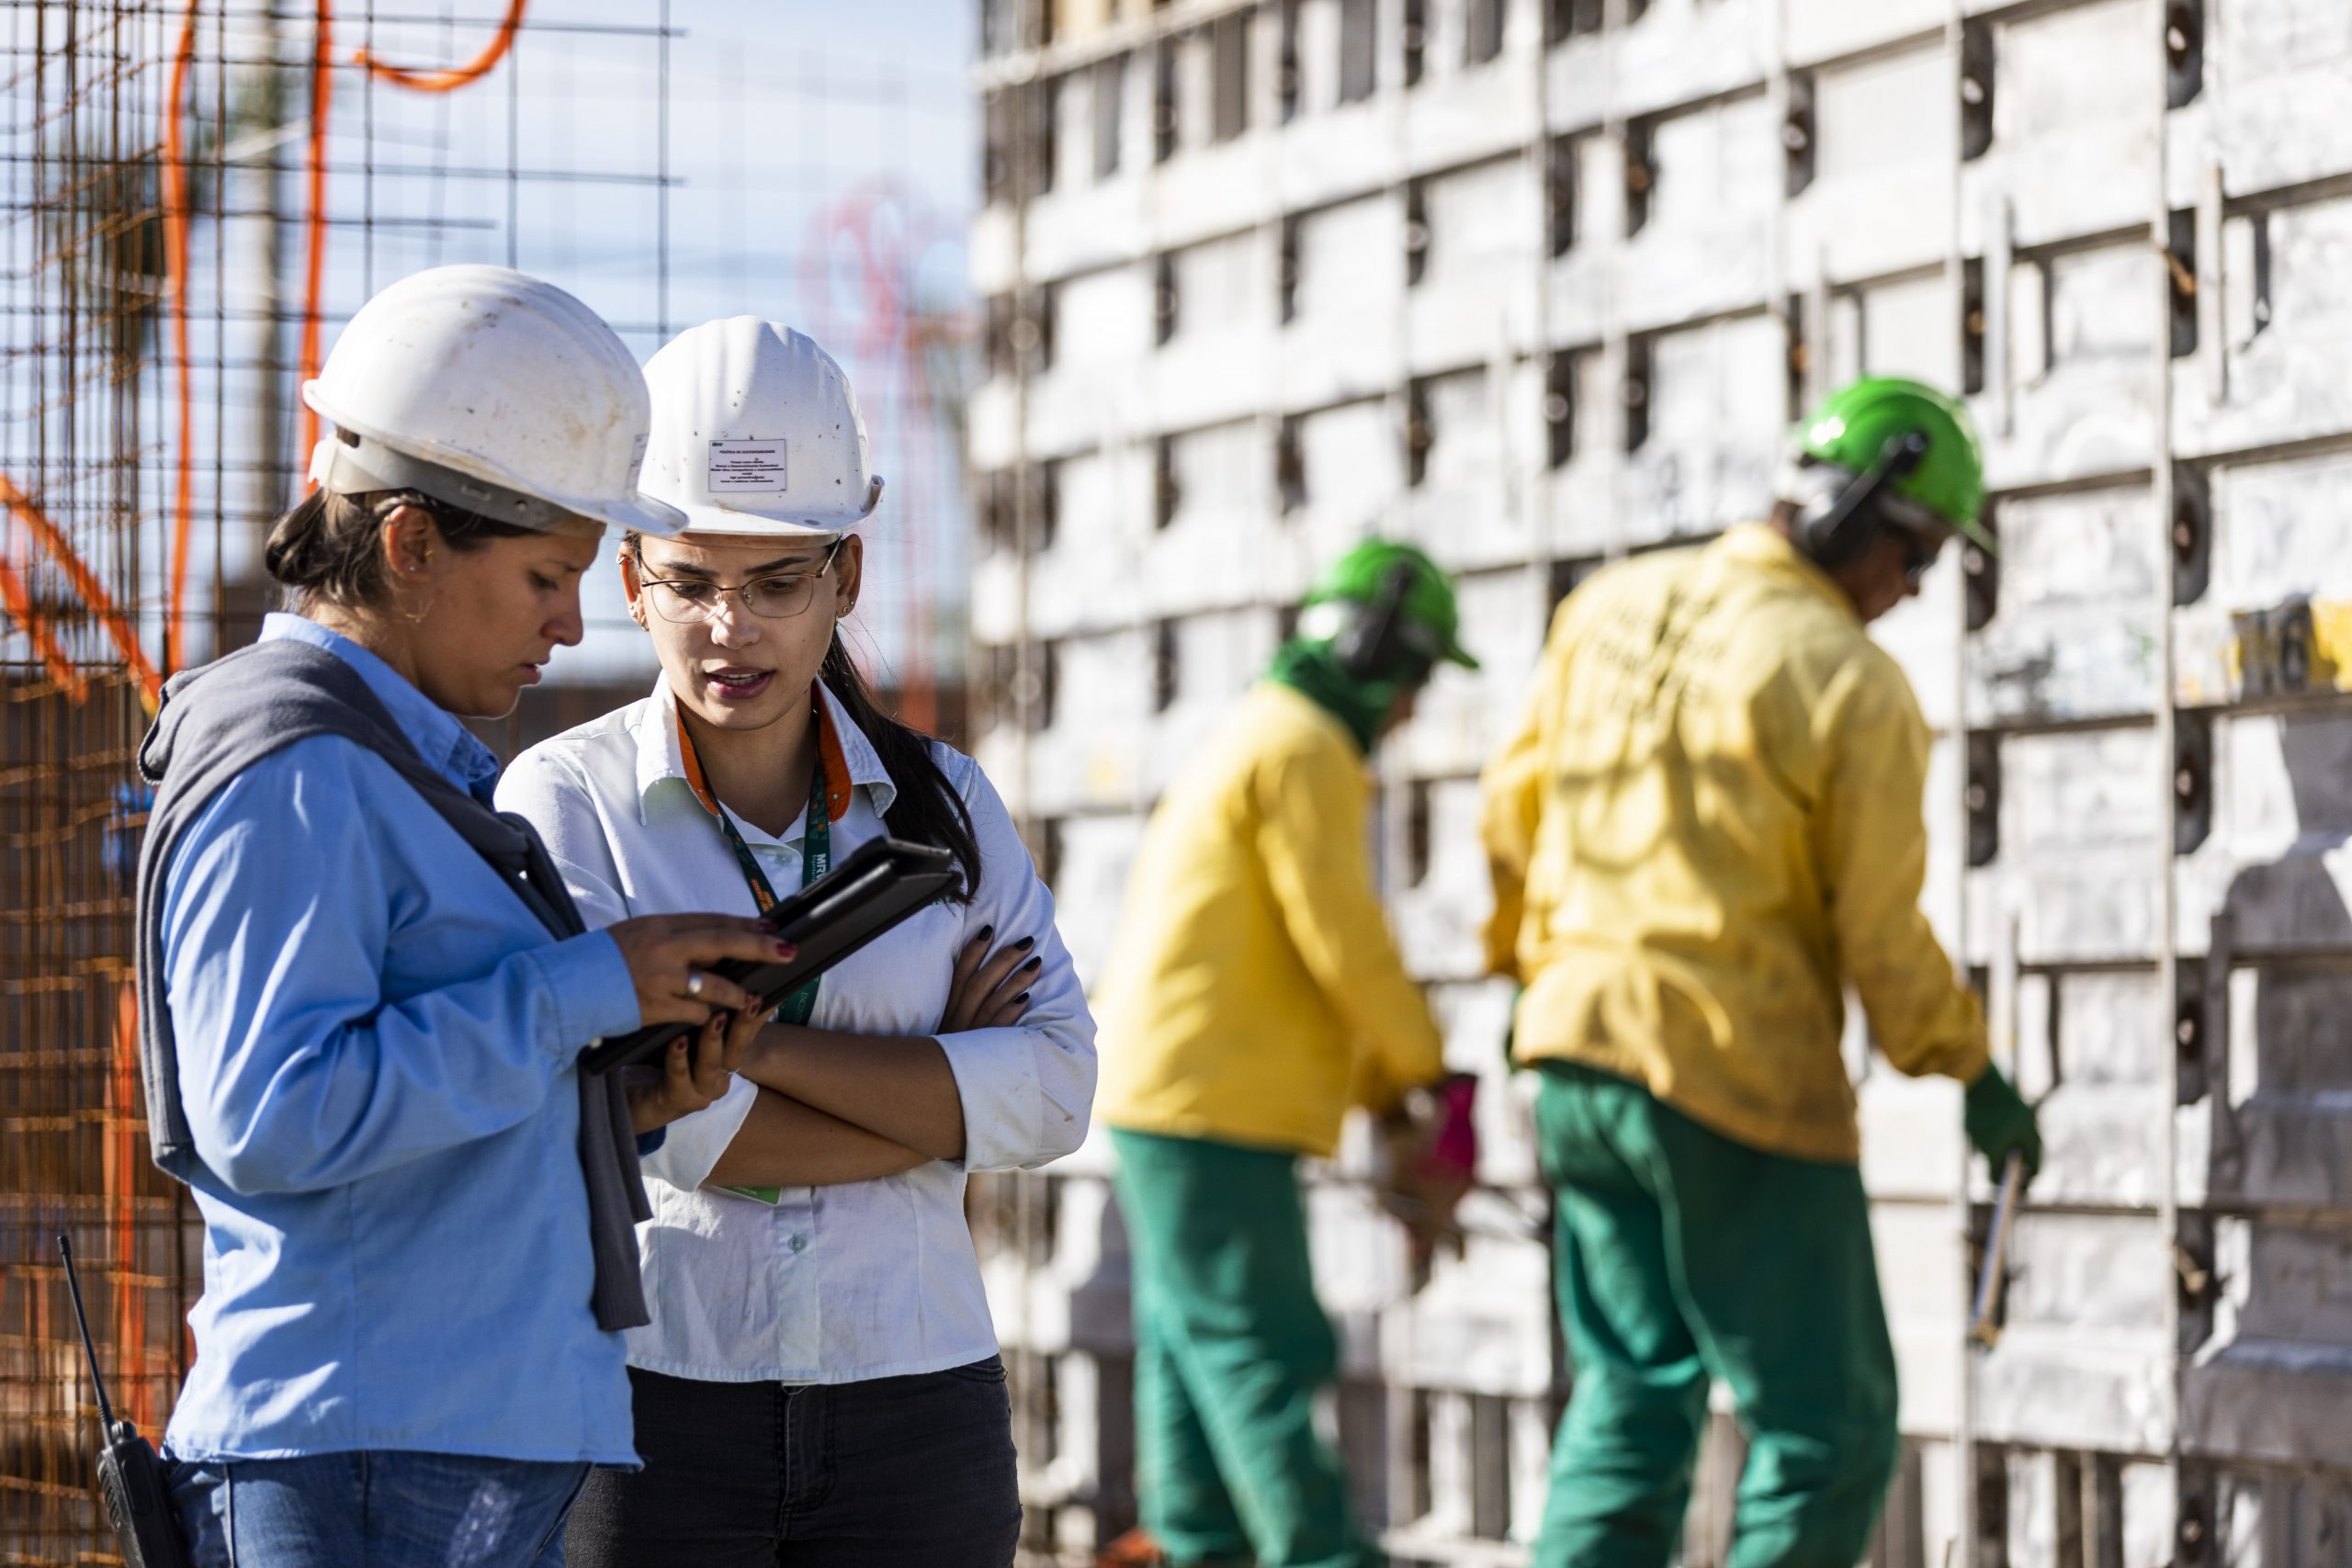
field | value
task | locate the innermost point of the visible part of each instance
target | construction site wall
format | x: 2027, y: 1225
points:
x: 1540, y: 283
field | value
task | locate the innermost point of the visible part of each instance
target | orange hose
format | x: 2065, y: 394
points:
x: 86, y: 583
x: 175, y: 296
x: 124, y: 1113
x: 19, y: 601
x: 314, y: 264
x: 451, y: 77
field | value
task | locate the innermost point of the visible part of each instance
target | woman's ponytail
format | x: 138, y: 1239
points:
x: 925, y: 809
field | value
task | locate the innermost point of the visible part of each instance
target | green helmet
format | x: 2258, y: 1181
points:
x: 1857, y: 427
x: 1428, y: 622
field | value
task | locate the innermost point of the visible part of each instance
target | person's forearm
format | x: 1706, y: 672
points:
x: 899, y: 1085
x: 784, y: 1143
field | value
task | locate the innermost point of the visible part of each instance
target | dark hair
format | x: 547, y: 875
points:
x: 330, y: 547
x: 925, y: 809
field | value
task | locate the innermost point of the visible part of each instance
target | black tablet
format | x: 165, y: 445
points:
x: 881, y: 882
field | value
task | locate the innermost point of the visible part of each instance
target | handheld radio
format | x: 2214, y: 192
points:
x: 130, y: 1475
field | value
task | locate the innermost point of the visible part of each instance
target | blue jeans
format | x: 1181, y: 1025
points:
x: 374, y: 1509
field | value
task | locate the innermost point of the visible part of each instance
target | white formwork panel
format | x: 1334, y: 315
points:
x: 1209, y: 556
x: 1215, y: 366
x: 1474, y: 302
x: 1217, y: 658
x: 2078, y: 824
x: 1689, y: 328
x: 1438, y: 916
x: 1461, y: 509
x: 1715, y: 429
x: 1344, y: 341
x: 1090, y: 886
x: 1085, y: 581
x: 1899, y: 327
x: 1088, y: 756
x: 1354, y: 474
x: 1579, y: 281
x: 2073, y: 149
x: 2280, y: 66
x: 2286, y: 326
x: 1091, y: 398
x: 1461, y: 715
x: 2075, y: 633
x: 1825, y: 29
x: 1706, y: 245
x: 1883, y: 134
x: 1678, y: 51
x: 2080, y: 341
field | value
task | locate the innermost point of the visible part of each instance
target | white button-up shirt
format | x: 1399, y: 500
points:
x: 832, y: 1284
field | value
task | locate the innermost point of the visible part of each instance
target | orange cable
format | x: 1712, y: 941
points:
x: 306, y: 425
x: 176, y: 294
x: 449, y: 78
x: 86, y: 583
x: 19, y: 601
x: 121, y: 1160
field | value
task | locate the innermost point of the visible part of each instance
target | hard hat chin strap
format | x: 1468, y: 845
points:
x: 347, y: 463
x: 1835, y: 521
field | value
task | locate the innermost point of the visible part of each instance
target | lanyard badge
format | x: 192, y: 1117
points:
x: 816, y: 859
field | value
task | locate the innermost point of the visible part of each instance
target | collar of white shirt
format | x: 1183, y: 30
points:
x: 660, y: 765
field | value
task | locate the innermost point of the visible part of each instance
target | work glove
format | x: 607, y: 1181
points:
x: 1431, y: 1143
x: 2000, y: 1123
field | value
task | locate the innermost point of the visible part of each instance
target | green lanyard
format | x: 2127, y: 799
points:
x: 816, y: 859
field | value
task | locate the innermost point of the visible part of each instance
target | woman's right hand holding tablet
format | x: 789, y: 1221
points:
x: 671, y: 960
x: 990, y: 990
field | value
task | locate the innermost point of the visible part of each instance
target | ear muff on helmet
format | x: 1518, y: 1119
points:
x: 1836, y: 522
x: 1376, y: 643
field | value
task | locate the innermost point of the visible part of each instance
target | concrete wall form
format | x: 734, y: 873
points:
x: 1543, y: 309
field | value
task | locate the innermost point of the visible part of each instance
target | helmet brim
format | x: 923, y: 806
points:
x: 638, y: 513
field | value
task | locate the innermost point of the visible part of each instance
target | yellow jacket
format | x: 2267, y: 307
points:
x: 1254, y: 991
x: 1707, y: 819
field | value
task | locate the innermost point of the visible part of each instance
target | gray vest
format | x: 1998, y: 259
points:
x: 221, y: 718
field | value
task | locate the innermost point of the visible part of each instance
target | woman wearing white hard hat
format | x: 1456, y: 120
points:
x: 819, y: 1384
x: 363, y: 992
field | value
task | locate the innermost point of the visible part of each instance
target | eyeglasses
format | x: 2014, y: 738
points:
x: 685, y: 601
x: 1919, y: 553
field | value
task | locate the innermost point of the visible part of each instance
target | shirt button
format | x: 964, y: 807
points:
x: 800, y: 1244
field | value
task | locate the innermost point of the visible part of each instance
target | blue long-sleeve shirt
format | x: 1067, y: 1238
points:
x: 376, y: 1044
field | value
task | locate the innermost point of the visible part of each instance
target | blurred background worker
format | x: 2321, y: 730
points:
x: 1708, y: 824
x: 1253, y: 993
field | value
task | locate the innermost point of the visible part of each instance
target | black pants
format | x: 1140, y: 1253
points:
x: 911, y: 1472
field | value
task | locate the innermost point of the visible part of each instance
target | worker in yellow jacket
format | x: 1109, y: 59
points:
x: 1253, y: 993
x: 1706, y: 829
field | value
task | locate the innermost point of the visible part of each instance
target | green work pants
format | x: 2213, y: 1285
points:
x: 1230, y: 1348
x: 1686, y: 1257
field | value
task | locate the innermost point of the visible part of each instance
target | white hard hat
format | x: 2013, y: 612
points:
x: 493, y: 391
x: 755, y: 431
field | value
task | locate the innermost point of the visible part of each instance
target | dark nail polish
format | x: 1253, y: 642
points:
x: 1019, y: 1000
x: 985, y: 932
x: 1024, y: 943
x: 1032, y: 964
